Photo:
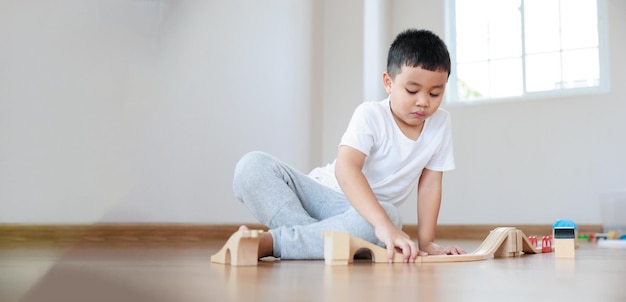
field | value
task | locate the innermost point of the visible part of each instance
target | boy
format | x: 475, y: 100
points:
x: 388, y: 148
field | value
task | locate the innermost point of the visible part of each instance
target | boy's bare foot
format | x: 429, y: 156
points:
x: 266, y: 244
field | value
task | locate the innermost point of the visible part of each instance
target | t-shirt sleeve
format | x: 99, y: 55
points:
x: 360, y: 133
x: 443, y: 158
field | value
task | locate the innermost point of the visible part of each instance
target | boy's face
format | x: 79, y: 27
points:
x: 415, y: 94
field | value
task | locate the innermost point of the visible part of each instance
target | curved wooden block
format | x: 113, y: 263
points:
x: 486, y: 249
x: 241, y: 249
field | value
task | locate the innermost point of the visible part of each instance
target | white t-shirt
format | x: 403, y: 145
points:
x: 393, y: 162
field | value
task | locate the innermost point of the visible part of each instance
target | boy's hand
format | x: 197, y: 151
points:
x: 398, y: 241
x: 432, y: 248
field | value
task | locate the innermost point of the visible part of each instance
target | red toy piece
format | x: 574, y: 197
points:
x: 546, y: 244
x: 533, y: 241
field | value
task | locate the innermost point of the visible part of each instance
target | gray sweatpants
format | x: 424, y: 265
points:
x: 296, y: 208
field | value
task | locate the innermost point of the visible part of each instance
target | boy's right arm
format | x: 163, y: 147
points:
x: 348, y: 170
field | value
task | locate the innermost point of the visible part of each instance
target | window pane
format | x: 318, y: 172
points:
x: 581, y: 68
x: 505, y: 30
x: 542, y: 26
x: 579, y: 24
x: 506, y: 78
x: 543, y: 72
x: 510, y: 48
x: 472, y: 31
x: 472, y: 80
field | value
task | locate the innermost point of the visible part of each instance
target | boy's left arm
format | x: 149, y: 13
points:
x: 428, y: 204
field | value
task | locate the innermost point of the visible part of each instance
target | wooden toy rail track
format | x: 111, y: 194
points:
x: 340, y: 248
x: 242, y: 247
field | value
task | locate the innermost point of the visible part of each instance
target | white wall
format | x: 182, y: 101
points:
x: 137, y: 111
x: 343, y: 68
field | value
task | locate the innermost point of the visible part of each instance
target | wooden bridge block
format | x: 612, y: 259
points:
x: 511, y: 246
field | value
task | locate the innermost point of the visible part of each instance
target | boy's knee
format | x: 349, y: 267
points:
x: 251, y: 159
x: 246, y: 169
x: 250, y: 162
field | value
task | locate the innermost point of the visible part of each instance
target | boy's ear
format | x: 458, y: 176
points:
x: 387, y: 82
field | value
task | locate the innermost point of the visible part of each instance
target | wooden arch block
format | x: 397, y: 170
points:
x: 241, y: 249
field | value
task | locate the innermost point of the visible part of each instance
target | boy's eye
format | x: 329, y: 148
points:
x: 411, y: 92
x: 434, y: 95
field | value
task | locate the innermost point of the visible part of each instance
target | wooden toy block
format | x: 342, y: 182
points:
x: 511, y: 246
x: 529, y: 246
x: 379, y: 254
x: 241, y: 249
x: 506, y: 241
x: 340, y: 248
x: 566, y: 224
x: 337, y: 248
x: 564, y: 243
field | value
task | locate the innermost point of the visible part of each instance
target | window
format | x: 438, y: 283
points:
x: 521, y: 49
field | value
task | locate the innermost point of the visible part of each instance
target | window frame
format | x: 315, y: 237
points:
x: 603, y: 53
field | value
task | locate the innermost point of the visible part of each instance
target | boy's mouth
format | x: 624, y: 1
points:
x: 418, y: 114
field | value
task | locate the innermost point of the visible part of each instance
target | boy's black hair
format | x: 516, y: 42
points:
x: 418, y: 48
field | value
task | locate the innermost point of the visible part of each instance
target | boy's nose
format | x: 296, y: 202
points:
x: 421, y: 101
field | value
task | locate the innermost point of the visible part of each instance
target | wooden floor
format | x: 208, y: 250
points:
x: 182, y: 272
